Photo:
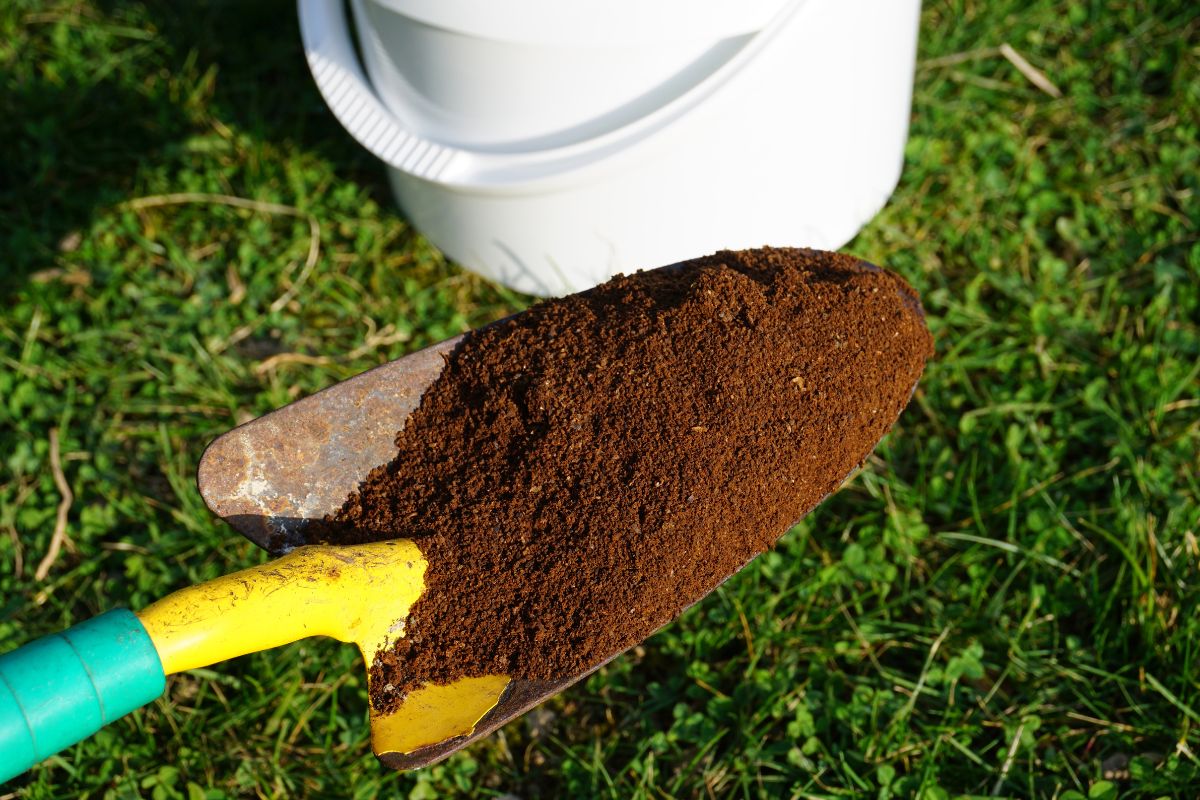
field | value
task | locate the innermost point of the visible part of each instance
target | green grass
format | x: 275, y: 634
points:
x: 1004, y: 602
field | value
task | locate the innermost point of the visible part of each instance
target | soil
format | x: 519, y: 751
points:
x: 582, y: 472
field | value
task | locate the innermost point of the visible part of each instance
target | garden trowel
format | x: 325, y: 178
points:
x: 276, y: 480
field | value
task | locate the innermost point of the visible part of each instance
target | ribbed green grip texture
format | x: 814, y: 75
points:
x: 66, y: 686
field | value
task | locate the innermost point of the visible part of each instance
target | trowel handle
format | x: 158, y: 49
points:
x: 64, y: 687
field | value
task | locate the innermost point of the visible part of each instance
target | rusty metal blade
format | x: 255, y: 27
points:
x: 275, y: 478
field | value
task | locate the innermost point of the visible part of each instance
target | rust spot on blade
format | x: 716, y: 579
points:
x: 275, y: 478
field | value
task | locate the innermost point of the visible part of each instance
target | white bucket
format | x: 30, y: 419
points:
x: 604, y: 138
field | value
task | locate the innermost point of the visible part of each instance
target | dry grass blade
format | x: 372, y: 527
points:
x: 959, y: 58
x: 185, y: 198
x: 60, y: 538
x: 373, y: 340
x: 268, y: 364
x: 1009, y: 757
x: 1031, y: 73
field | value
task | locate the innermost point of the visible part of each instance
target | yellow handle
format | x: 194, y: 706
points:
x: 356, y: 593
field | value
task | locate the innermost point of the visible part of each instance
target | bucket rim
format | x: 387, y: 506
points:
x: 592, y: 23
x: 342, y: 82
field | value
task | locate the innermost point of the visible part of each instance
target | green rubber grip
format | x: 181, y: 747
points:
x: 64, y: 687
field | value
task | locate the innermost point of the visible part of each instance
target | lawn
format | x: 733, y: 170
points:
x: 1003, y: 603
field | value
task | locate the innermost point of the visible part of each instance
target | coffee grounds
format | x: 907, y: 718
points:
x: 582, y: 472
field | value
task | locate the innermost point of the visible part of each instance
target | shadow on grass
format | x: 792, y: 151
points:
x: 143, y: 79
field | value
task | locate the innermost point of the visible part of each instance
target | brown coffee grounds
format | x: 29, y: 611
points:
x: 582, y: 472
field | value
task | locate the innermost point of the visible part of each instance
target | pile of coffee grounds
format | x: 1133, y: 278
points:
x: 582, y: 472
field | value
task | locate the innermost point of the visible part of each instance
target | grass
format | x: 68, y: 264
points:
x: 1003, y: 603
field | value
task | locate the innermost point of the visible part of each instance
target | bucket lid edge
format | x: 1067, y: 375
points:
x: 590, y: 22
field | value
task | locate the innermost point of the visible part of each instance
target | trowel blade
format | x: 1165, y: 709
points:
x: 275, y: 478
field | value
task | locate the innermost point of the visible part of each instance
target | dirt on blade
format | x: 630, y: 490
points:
x: 582, y: 472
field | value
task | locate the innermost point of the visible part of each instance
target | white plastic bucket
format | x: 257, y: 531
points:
x: 522, y: 156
